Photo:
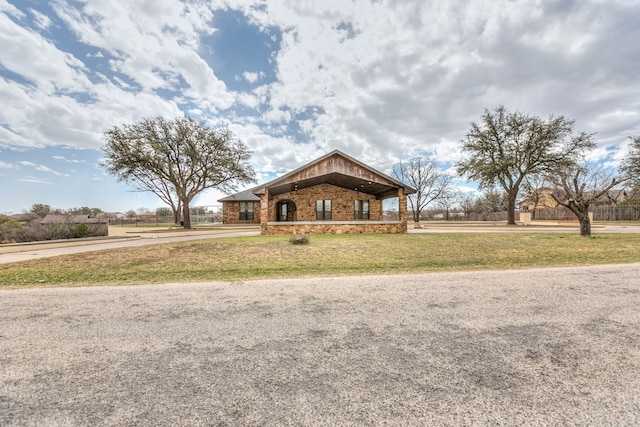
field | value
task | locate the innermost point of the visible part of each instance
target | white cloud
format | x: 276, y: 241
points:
x: 148, y: 41
x: 39, y: 167
x: 252, y: 77
x: 415, y: 74
x: 35, y: 180
x: 37, y: 60
x: 64, y: 159
x: 42, y: 21
x: 10, y: 9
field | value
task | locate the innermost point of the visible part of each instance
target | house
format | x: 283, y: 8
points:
x: 539, y: 199
x: 334, y: 194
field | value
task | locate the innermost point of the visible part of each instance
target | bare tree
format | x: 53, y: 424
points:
x: 448, y: 200
x: 467, y: 203
x: 578, y: 186
x: 427, y: 178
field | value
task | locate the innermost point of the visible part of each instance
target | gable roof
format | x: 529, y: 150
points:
x: 243, y: 196
x: 340, y: 169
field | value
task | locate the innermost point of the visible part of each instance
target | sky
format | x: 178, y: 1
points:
x: 381, y: 80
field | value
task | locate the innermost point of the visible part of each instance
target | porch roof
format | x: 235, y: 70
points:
x: 339, y: 169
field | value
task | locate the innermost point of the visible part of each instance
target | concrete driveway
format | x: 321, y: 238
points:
x: 529, y: 347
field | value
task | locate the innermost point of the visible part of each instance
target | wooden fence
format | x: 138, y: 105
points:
x: 600, y: 213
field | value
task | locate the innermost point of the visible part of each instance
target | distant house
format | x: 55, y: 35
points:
x: 333, y: 194
x: 22, y: 218
x: 541, y: 199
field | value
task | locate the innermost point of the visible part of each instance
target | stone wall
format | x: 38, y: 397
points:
x: 334, y: 227
x: 231, y: 213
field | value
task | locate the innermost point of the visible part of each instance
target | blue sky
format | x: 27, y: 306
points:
x: 381, y: 80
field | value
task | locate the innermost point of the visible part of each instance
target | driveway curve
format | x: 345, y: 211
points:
x: 553, y: 346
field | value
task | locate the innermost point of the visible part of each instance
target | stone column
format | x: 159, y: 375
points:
x: 264, y: 211
x: 402, y: 209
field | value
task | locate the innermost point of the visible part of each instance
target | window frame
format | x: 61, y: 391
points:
x: 246, y: 211
x: 359, y: 211
x: 324, y: 213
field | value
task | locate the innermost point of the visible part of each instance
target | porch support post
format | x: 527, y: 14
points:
x: 264, y: 212
x: 402, y: 209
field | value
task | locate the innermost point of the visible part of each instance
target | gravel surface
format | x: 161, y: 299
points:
x: 529, y: 347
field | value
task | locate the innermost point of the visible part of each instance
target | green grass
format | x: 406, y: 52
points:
x: 245, y: 258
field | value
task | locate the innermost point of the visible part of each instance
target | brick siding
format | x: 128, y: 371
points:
x: 231, y: 213
x: 342, y: 213
x: 342, y: 203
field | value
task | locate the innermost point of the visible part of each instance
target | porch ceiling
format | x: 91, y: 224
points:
x: 377, y: 189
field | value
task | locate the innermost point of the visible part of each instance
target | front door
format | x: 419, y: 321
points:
x: 286, y: 210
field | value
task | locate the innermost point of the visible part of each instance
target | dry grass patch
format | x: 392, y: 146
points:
x: 244, y: 258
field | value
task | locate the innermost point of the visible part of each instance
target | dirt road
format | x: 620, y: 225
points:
x: 530, y: 347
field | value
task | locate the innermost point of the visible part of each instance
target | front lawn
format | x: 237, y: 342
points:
x: 246, y: 258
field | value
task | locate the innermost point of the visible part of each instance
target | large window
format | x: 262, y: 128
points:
x: 361, y: 209
x: 246, y: 211
x: 323, y: 209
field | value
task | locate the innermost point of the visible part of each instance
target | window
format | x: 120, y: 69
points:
x: 361, y: 209
x: 323, y: 209
x: 246, y: 211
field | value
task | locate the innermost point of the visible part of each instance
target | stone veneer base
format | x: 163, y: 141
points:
x: 334, y: 227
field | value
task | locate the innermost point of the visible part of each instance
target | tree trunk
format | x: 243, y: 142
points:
x: 176, y: 215
x: 511, y: 208
x: 414, y: 210
x: 186, y: 217
x: 585, y: 226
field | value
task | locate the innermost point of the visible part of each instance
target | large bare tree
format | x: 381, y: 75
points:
x: 504, y: 148
x: 427, y: 178
x: 578, y: 186
x: 176, y: 159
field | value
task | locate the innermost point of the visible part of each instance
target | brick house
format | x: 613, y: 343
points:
x: 334, y: 194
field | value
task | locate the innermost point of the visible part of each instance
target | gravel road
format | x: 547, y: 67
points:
x: 529, y: 347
